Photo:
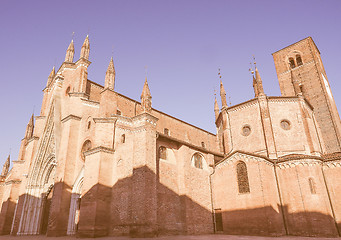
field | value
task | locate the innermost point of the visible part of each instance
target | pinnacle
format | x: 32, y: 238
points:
x: 145, y: 91
x: 216, y: 106
x: 71, y: 46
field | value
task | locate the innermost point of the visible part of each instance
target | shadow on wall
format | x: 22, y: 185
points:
x: 140, y: 206
x: 267, y: 221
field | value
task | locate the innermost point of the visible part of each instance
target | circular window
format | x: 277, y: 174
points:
x: 86, y: 146
x: 285, y: 124
x: 67, y: 91
x: 246, y: 130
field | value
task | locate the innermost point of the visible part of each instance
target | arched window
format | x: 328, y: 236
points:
x: 292, y: 63
x: 162, y: 153
x: 86, y: 146
x: 243, y: 179
x: 166, y: 131
x: 123, y: 138
x: 198, y: 161
x: 299, y: 60
x: 312, y: 186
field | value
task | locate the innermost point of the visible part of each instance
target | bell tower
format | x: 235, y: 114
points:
x: 303, y: 61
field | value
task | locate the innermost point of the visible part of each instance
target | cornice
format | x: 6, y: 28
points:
x: 70, y: 117
x: 294, y: 157
x: 99, y: 149
x: 199, y: 148
x: 245, y: 156
x: 332, y: 156
x: 105, y: 120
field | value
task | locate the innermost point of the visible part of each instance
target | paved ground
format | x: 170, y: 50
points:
x: 202, y: 237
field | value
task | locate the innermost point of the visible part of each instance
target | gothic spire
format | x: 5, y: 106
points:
x: 255, y: 86
x: 70, y: 52
x: 296, y: 84
x: 29, y: 128
x: 110, y: 76
x: 146, y: 98
x: 85, y: 48
x: 51, y: 76
x: 216, y: 108
x: 5, y: 168
x: 259, y: 83
x: 223, y: 95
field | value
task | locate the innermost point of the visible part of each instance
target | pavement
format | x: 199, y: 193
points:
x: 198, y: 237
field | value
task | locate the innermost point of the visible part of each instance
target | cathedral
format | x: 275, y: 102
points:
x: 97, y: 163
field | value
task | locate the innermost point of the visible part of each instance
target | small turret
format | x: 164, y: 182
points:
x: 6, y: 166
x: 30, y: 128
x: 51, y: 76
x: 70, y: 52
x: 259, y: 83
x: 146, y: 98
x: 110, y: 76
x: 216, y: 108
x: 85, y: 51
x: 223, y: 95
x: 296, y: 84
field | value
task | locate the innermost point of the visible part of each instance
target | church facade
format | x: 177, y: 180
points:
x: 97, y: 163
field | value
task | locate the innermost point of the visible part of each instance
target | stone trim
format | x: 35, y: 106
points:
x: 40, y: 117
x: 90, y: 103
x: 245, y: 155
x: 99, y: 149
x: 105, y: 120
x: 291, y: 157
x: 332, y: 156
x: 294, y: 163
x: 18, y: 161
x: 71, y: 117
x: 249, y: 103
x: 79, y: 94
x: 32, y: 139
x: 13, y: 182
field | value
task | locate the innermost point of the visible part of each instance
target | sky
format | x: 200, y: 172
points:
x: 178, y: 44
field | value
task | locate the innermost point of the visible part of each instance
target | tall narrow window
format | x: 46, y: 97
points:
x: 123, y: 138
x: 166, y: 131
x: 312, y: 186
x: 292, y: 63
x: 243, y: 180
x: 162, y: 153
x: 198, y: 160
x: 299, y: 60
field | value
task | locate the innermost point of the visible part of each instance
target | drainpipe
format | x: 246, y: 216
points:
x: 211, y: 191
x: 280, y: 200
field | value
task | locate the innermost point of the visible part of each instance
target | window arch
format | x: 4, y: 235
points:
x: 198, y: 160
x: 86, y: 146
x: 242, y: 177
x: 162, y: 152
x: 312, y: 186
x: 292, y: 62
x: 299, y: 60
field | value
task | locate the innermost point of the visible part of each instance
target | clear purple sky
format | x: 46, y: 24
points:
x: 182, y: 43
